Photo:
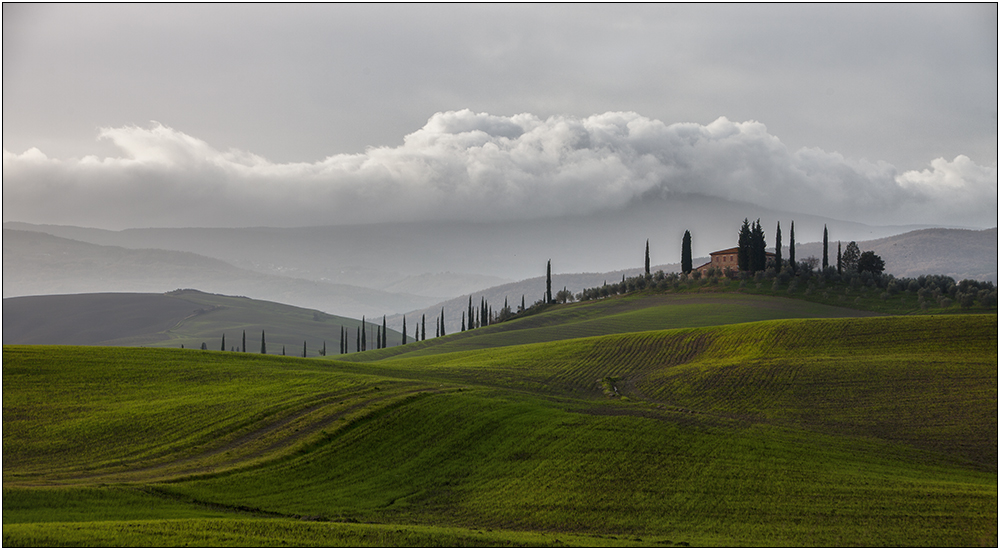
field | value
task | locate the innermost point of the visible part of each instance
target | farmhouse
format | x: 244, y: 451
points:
x: 725, y: 260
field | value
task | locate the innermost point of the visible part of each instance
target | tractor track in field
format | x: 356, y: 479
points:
x: 193, y: 465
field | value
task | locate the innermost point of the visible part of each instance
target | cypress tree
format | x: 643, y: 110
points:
x: 423, y: 327
x: 343, y: 350
x: 826, y: 254
x: 442, y: 321
x: 357, y: 344
x: 303, y: 348
x: 548, y: 282
x: 244, y: 340
x: 323, y: 351
x: 282, y: 350
x: 839, y: 260
x: 385, y: 339
x: 364, y: 334
x: 777, y: 248
x: 791, y: 249
x: 743, y: 253
x: 522, y: 302
x: 758, y: 249
x: 223, y: 341
x: 647, y: 257
x: 686, y: 265
x: 471, y: 314
x: 463, y: 321
x: 263, y: 346
x: 404, y: 330
x: 378, y: 337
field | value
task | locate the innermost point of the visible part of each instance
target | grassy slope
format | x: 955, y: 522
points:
x: 816, y: 432
x: 632, y: 313
x: 183, y: 317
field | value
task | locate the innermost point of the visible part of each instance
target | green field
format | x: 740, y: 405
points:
x: 632, y: 313
x: 614, y: 430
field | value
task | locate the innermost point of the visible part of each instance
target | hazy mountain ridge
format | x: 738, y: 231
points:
x: 957, y: 253
x: 383, y: 256
x: 40, y: 264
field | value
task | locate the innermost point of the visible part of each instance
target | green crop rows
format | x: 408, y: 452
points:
x: 788, y: 432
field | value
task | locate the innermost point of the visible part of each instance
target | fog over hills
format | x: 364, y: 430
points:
x: 386, y: 256
x: 39, y: 264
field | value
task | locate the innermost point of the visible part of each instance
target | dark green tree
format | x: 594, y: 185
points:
x: 826, y: 249
x: 777, y: 248
x: 840, y: 260
x: 852, y: 253
x: 745, y: 245
x: 463, y: 321
x: 791, y: 249
x: 357, y: 344
x: 758, y: 248
x: 686, y: 265
x: 548, y: 282
x: 404, y: 330
x: 244, y: 341
x: 303, y: 348
x: 204, y: 346
x: 423, y: 327
x: 364, y: 334
x: 263, y: 346
x: 322, y: 351
x: 385, y: 331
x: 223, y: 341
x: 442, y: 321
x: 471, y: 314
x: 647, y: 257
x: 871, y: 263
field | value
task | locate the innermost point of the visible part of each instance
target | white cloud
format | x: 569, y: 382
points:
x: 476, y: 166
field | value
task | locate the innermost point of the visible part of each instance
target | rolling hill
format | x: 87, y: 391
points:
x: 181, y: 317
x: 40, y: 264
x: 791, y: 432
x: 190, y: 317
x: 478, y: 255
x: 957, y: 253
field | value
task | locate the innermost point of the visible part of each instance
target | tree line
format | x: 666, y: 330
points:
x: 857, y: 268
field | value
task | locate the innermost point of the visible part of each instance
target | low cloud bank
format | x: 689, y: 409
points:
x: 474, y: 166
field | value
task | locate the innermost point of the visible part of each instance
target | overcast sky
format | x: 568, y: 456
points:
x: 155, y: 115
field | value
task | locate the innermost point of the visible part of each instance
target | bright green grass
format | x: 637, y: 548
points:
x: 838, y: 432
x: 283, y: 532
x: 124, y: 413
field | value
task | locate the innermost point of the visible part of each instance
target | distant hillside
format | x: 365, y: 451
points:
x: 39, y: 264
x: 957, y: 253
x: 636, y: 313
x: 532, y: 289
x: 182, y: 317
x: 387, y: 256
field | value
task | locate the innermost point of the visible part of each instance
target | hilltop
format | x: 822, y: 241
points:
x: 179, y: 318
